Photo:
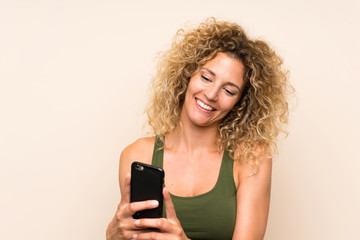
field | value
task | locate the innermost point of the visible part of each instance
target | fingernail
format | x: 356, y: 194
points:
x: 134, y: 236
x: 154, y: 203
x: 137, y: 222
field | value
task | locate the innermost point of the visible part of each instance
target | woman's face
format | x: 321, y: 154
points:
x: 213, y: 91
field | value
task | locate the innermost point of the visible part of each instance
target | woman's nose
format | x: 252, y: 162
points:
x: 211, y: 93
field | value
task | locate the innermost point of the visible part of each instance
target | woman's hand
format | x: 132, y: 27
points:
x: 123, y: 225
x: 169, y: 228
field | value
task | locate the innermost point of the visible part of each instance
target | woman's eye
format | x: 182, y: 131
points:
x: 229, y: 92
x: 206, y: 78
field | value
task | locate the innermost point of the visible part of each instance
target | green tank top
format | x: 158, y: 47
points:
x: 210, y: 215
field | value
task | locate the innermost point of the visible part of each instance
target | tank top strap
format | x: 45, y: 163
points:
x: 226, y: 174
x: 158, y: 153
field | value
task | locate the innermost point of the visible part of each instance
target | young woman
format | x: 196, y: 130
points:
x: 218, y: 104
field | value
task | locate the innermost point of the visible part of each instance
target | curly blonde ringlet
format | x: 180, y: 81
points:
x: 254, y: 123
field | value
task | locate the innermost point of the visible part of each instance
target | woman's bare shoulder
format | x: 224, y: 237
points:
x: 141, y: 150
x: 245, y: 170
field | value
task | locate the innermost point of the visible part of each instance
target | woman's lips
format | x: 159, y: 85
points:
x: 204, y: 106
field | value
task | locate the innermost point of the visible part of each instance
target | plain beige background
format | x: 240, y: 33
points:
x: 74, y: 76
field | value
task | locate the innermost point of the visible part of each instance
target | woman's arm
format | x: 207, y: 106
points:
x: 253, y: 200
x: 123, y: 226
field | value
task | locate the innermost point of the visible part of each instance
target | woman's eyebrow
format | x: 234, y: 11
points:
x: 211, y: 72
x: 233, y: 84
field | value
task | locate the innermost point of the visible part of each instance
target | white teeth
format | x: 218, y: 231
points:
x: 203, y: 105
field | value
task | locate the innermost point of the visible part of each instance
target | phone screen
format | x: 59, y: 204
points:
x: 146, y: 184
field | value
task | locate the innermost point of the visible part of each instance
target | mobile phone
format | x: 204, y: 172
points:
x: 147, y: 184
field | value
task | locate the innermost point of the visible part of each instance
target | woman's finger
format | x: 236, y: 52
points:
x: 151, y: 235
x: 159, y: 223
x: 125, y: 198
x: 169, y: 207
x: 129, y: 234
x: 134, y: 207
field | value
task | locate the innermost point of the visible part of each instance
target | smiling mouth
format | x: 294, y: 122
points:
x: 204, y: 106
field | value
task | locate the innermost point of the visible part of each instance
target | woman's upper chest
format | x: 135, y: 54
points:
x: 188, y: 175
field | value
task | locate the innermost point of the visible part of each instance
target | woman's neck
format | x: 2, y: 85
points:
x: 190, y: 138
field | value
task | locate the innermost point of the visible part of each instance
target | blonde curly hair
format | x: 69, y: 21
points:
x: 254, y: 123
